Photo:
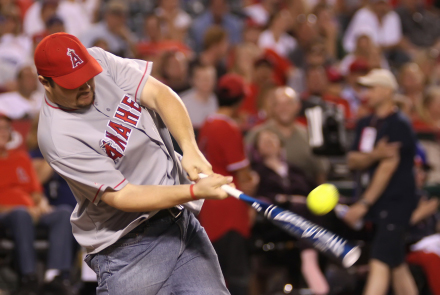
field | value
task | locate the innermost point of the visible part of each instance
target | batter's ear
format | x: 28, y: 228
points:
x: 47, y: 83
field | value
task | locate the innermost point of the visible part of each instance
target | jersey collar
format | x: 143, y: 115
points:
x: 56, y: 106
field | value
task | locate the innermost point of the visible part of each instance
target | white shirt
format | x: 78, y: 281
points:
x: 15, y: 51
x: 283, y: 46
x: 257, y: 13
x: 365, y: 22
x: 15, y: 106
x: 74, y: 15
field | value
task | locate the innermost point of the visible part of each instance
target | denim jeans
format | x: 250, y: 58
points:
x: 164, y: 256
x: 20, y: 223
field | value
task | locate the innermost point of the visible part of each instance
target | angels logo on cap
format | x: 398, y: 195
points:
x: 74, y: 58
x: 68, y: 72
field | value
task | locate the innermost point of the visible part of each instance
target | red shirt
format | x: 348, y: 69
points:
x: 221, y: 142
x: 18, y: 180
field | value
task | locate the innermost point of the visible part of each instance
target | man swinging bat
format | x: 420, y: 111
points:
x: 104, y: 127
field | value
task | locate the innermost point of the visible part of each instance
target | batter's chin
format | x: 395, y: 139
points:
x: 86, y: 101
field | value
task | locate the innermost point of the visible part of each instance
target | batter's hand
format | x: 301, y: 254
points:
x: 210, y: 187
x: 194, y: 163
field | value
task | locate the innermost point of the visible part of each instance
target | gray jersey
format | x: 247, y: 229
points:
x: 113, y: 142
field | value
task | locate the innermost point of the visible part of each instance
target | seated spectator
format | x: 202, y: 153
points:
x: 216, y: 15
x: 77, y: 16
x: 26, y: 101
x: 174, y: 71
x: 23, y: 206
x: 412, y: 82
x: 113, y: 29
x: 155, y: 43
x: 327, y: 28
x: 262, y: 79
x: 251, y: 32
x: 306, y: 35
x: 352, y: 91
x: 285, y: 106
x: 280, y: 182
x: 366, y: 50
x: 215, y: 48
x: 260, y: 13
x: 53, y: 25
x: 382, y: 23
x: 242, y: 60
x: 15, y: 48
x: 276, y: 37
x: 429, y: 63
x: 200, y: 100
x: 175, y: 21
x: 420, y: 27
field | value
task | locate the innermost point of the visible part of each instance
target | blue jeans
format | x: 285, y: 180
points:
x: 164, y: 256
x: 22, y: 228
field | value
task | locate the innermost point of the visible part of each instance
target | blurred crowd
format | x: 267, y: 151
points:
x: 250, y: 73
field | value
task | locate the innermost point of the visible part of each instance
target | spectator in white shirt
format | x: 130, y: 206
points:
x: 15, y: 48
x: 382, y: 23
x: 200, y: 100
x: 26, y: 101
x: 275, y: 37
x: 73, y: 13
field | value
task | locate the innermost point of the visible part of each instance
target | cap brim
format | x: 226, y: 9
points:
x: 81, y: 76
x: 366, y: 81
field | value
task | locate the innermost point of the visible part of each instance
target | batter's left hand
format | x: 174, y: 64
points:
x: 194, y: 163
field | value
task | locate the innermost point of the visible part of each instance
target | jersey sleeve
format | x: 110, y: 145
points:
x: 128, y: 74
x: 403, y: 134
x: 233, y: 148
x: 89, y: 175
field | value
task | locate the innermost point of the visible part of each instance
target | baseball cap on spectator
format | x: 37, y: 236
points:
x: 379, y: 77
x: 64, y: 58
x: 231, y: 89
x: 333, y: 75
x: 359, y: 65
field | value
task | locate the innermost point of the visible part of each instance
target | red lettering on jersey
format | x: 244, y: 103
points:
x: 120, y: 142
x: 120, y: 129
x: 131, y: 103
x: 111, y: 151
x: 125, y: 116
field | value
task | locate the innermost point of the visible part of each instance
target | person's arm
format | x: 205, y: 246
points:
x: 144, y: 198
x: 380, y: 181
x: 425, y: 209
x: 43, y: 169
x: 360, y: 161
x: 163, y: 100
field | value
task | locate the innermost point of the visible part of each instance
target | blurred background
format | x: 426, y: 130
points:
x: 293, y: 55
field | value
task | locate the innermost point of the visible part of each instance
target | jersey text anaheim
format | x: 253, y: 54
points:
x: 115, y: 142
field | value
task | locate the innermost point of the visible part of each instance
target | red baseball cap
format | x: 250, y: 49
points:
x: 359, y: 65
x: 63, y: 58
x: 233, y: 84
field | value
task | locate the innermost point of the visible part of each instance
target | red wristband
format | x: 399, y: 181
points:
x: 191, y: 190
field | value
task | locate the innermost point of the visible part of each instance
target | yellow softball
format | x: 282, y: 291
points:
x: 323, y: 199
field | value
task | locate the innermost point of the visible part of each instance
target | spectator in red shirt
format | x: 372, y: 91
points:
x: 227, y: 222
x: 22, y: 206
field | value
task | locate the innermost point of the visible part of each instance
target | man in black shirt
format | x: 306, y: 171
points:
x: 384, y: 148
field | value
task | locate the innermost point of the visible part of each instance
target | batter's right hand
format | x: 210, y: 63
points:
x: 210, y: 187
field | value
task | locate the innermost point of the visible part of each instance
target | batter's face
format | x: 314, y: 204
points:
x: 78, y: 98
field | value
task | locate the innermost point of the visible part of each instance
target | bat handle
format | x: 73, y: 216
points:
x: 229, y: 189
